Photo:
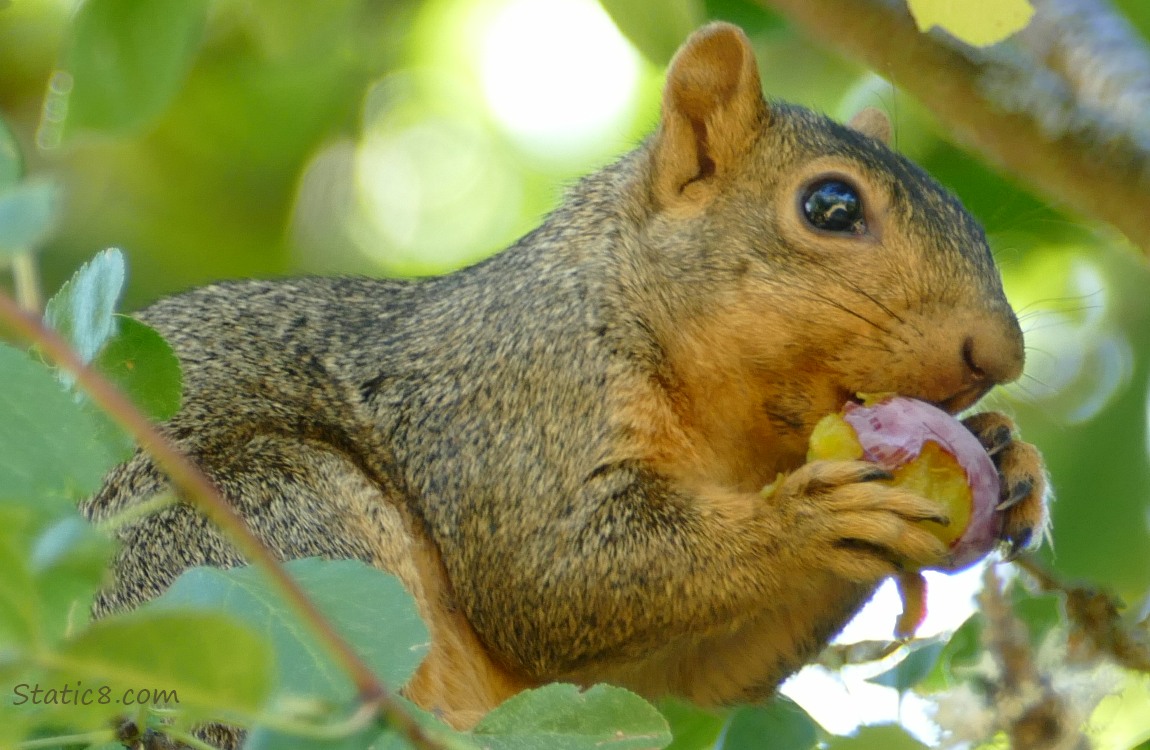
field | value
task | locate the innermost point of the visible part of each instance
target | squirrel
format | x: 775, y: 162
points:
x: 559, y: 450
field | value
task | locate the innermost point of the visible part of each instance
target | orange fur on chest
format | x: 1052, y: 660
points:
x: 736, y: 413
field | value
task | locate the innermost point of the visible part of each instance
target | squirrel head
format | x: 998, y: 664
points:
x: 808, y: 261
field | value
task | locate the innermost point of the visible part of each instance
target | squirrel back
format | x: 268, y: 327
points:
x: 560, y: 450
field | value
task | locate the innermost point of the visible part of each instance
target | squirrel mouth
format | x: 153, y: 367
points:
x: 964, y: 399
x: 952, y: 404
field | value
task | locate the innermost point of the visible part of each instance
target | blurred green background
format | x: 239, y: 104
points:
x: 406, y: 137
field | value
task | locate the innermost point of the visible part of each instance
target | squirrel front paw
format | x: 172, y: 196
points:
x: 1023, y: 480
x: 854, y: 526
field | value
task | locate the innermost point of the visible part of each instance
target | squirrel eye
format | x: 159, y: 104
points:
x: 834, y: 206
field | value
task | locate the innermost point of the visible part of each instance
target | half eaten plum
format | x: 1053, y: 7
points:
x: 929, y: 452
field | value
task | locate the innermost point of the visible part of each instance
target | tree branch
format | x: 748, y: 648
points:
x: 1100, y: 57
x: 1055, y: 129
x: 1029, y: 709
x: 1097, y: 627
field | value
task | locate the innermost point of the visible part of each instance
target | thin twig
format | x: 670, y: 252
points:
x: 1095, y: 616
x: 90, y: 739
x: 196, y: 487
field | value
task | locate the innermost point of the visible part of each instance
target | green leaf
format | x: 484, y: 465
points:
x: 11, y: 163
x: 128, y: 59
x: 691, y: 727
x: 748, y: 15
x: 369, y: 608
x: 204, y: 664
x: 49, y: 447
x: 1121, y: 720
x: 51, y: 567
x: 962, y: 650
x: 877, y: 737
x: 913, y: 669
x: 28, y: 212
x: 83, y: 311
x: 779, y: 725
x: 70, y: 542
x: 1039, y: 612
x: 656, y: 35
x: 262, y: 738
x: 371, y: 738
x: 563, y: 717
x: 976, y: 22
x: 19, y: 600
x: 143, y: 365
x: 69, y: 560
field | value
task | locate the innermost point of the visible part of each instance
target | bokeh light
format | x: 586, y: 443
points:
x: 1077, y: 361
x: 432, y: 194
x: 557, y: 74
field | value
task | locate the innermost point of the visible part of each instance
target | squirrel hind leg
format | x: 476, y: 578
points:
x: 458, y: 679
x: 304, y: 499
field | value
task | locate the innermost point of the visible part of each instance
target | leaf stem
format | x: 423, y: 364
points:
x: 358, y: 720
x: 26, y: 280
x: 196, y: 487
x: 86, y: 738
x: 136, y: 511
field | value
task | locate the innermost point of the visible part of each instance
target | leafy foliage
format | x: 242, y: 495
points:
x: 42, y: 430
x: 886, y: 736
x: 352, y: 594
x: 141, y: 363
x: 11, y: 164
x: 977, y: 22
x: 657, y: 41
x: 127, y: 59
x: 912, y: 670
x: 691, y: 727
x: 780, y: 725
x: 567, y: 718
x: 84, y: 308
x: 219, y: 645
x: 26, y: 213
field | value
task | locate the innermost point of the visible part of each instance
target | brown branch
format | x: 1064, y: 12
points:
x: 198, y: 489
x: 1039, y: 134
x: 1101, y: 58
x: 1095, y: 616
x: 1034, y: 716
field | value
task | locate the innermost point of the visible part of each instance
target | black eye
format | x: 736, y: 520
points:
x: 834, y: 206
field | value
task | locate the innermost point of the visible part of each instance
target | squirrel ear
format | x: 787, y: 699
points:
x: 712, y: 109
x: 872, y: 122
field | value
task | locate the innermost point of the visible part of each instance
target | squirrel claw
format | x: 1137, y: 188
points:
x: 1023, y: 501
x: 877, y: 474
x: 1019, y: 492
x: 998, y: 439
x: 1018, y: 543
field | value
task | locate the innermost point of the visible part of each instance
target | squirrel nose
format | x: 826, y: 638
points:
x: 993, y: 355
